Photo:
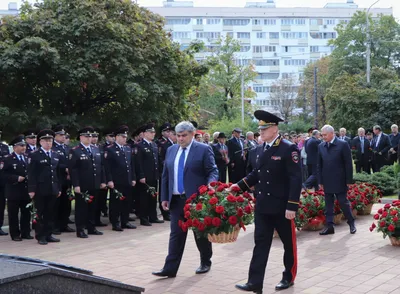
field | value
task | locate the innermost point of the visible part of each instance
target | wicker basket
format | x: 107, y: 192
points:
x: 394, y: 241
x: 224, y: 237
x: 309, y: 227
x: 366, y: 211
x: 337, y: 219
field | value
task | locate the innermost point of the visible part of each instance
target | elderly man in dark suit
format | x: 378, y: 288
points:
x: 237, y: 164
x: 335, y: 173
x: 380, y: 146
x: 363, y: 154
x: 343, y: 136
x: 221, y: 156
x: 188, y: 165
x: 312, y: 158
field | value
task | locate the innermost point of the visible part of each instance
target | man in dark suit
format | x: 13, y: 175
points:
x: 43, y: 185
x: 362, y: 149
x: 394, y: 138
x: 277, y: 180
x: 4, y: 152
x: 335, y: 173
x: 237, y: 164
x: 343, y: 137
x: 221, y: 156
x: 15, y: 175
x: 87, y: 176
x: 188, y: 165
x: 312, y: 158
x: 380, y: 146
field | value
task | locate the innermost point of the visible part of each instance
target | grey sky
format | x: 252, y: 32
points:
x: 280, y: 3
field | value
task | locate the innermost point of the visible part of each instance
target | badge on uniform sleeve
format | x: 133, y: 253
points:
x: 295, y: 157
x: 1, y: 165
x: 105, y: 154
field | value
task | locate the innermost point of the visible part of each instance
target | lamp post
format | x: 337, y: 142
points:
x: 369, y: 45
x: 242, y: 92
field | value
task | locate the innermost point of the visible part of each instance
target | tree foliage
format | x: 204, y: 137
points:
x: 101, y: 62
x: 284, y: 93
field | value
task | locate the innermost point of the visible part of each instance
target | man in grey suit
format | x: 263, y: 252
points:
x: 188, y: 165
x: 335, y: 174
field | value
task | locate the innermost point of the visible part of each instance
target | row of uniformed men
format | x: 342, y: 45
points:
x: 43, y: 168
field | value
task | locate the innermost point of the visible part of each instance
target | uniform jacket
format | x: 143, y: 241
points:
x: 163, y: 144
x: 219, y: 160
x: 356, y: 145
x: 147, y: 156
x: 14, y: 168
x: 42, y: 173
x: 277, y: 178
x: 29, y: 149
x: 4, y: 152
x: 119, y: 165
x: 311, y: 147
x: 335, y: 166
x: 200, y: 169
x: 86, y: 171
x: 62, y: 152
x: 252, y: 159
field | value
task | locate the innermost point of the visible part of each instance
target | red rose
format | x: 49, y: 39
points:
x: 194, y: 195
x: 180, y: 222
x: 184, y: 227
x: 393, y: 212
x: 382, y: 224
x: 231, y: 198
x: 187, y: 214
x: 232, y: 220
x: 380, y: 210
x: 235, y: 189
x: 387, y: 205
x: 385, y: 214
x: 195, y: 223
x: 188, y: 201
x: 242, y: 226
x: 220, y: 188
x: 219, y: 209
x: 248, y: 209
x: 371, y: 229
x: 189, y: 223
x: 187, y: 207
x: 305, y: 209
x: 320, y: 212
x: 208, y: 221
x: 240, y: 212
x: 373, y: 225
x: 201, y: 227
x: 34, y: 222
x: 240, y: 199
x: 199, y: 206
x: 203, y: 189
x: 246, y: 195
x: 90, y: 201
x: 213, y: 201
x: 395, y: 219
x: 216, y: 222
x: 391, y: 228
x: 213, y: 184
x: 211, y: 192
x: 91, y: 197
x: 376, y: 216
x: 301, y: 216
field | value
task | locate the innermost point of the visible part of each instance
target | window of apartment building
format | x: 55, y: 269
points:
x: 295, y: 62
x: 269, y: 22
x: 314, y: 49
x: 293, y: 49
x: 316, y: 21
x: 301, y: 75
x: 294, y: 35
x: 274, y: 35
x: 243, y: 35
x: 262, y: 102
x: 328, y: 35
x: 267, y: 76
x: 261, y: 35
x: 213, y: 21
x: 274, y: 102
x: 184, y: 47
x: 266, y: 62
x: 199, y: 21
x: 236, y: 22
x: 293, y: 21
x: 344, y: 21
x: 256, y: 21
x: 260, y: 49
x: 208, y: 35
x: 229, y: 34
x: 330, y: 21
x: 181, y: 35
x: 241, y: 62
x: 245, y: 48
x: 322, y: 49
x: 261, y: 89
x: 212, y: 48
x: 178, y: 21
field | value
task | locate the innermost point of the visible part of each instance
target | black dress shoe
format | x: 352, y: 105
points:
x: 117, y: 228
x: 101, y: 224
x: 163, y: 273
x: 42, y: 241
x: 17, y: 238
x: 250, y: 288
x: 203, y: 269
x: 95, y: 232
x: 51, y: 239
x: 327, y: 231
x: 82, y: 234
x: 167, y: 218
x: 56, y: 232
x: 284, y: 284
x: 2, y: 233
x: 156, y: 221
x: 68, y: 229
x: 27, y: 237
x: 145, y: 223
x: 105, y: 214
x: 353, y: 229
x: 131, y: 219
x: 70, y: 221
x: 128, y: 226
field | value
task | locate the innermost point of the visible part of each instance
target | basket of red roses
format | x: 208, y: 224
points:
x: 388, y: 222
x: 217, y: 214
x: 362, y: 197
x: 310, y: 215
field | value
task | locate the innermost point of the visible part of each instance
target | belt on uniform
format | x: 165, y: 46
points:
x: 182, y: 196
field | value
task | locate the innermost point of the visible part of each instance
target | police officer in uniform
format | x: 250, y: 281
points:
x: 31, y: 140
x: 15, y: 175
x: 163, y: 143
x: 87, y: 176
x: 148, y: 176
x: 4, y: 151
x: 277, y: 180
x: 120, y: 175
x: 43, y: 185
x: 63, y: 204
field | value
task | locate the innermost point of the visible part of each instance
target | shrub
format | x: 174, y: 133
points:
x: 388, y: 169
x: 361, y: 178
x: 384, y: 182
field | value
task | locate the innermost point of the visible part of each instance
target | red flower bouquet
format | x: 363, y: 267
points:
x: 387, y: 221
x: 218, y: 214
x: 362, y: 197
x: 310, y: 215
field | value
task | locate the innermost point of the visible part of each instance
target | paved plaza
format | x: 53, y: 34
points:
x: 340, y: 263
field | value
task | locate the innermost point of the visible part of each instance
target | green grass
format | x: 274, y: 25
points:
x: 395, y: 196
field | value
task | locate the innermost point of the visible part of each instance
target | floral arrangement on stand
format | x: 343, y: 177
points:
x: 388, y: 222
x: 218, y: 214
x: 310, y: 215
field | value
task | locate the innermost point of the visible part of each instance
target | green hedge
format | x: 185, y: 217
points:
x: 384, y: 180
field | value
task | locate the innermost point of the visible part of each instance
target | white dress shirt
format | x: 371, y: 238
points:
x: 176, y: 164
x: 270, y: 143
x: 378, y: 139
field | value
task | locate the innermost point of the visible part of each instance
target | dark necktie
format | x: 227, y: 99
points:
x: 90, y: 152
x: 48, y: 154
x: 266, y: 147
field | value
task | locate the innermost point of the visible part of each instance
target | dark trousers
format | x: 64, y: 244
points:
x: 2, y: 205
x: 344, y: 205
x: 164, y: 213
x: 392, y: 158
x: 362, y: 164
x: 177, y: 239
x: 265, y: 224
x: 45, y: 210
x: 222, y: 173
x: 22, y: 226
x: 237, y: 172
x: 119, y: 209
x: 378, y: 162
x: 62, y: 209
x: 312, y: 180
x: 85, y: 212
x: 148, y: 203
x: 101, y: 204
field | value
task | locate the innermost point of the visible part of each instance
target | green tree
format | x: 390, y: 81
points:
x: 101, y: 62
x: 284, y: 94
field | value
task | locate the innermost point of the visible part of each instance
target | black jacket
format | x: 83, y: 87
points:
x: 147, y: 156
x: 119, y: 165
x: 234, y: 151
x: 62, y: 152
x: 383, y: 145
x: 356, y: 145
x: 311, y: 146
x: 4, y: 152
x: 217, y: 149
x: 12, y: 170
